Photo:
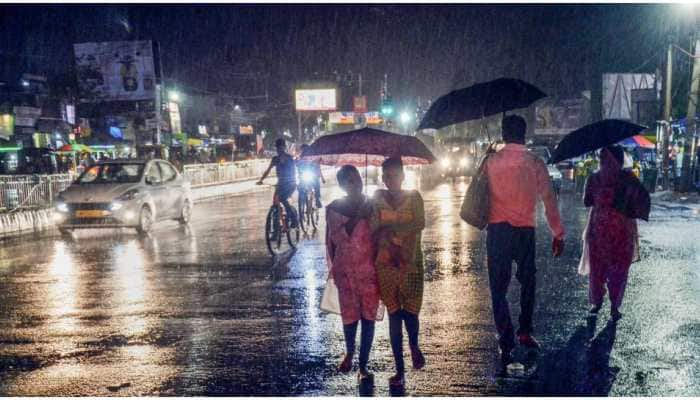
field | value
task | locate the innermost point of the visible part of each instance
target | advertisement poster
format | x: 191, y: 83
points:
x: 341, y: 118
x: 561, y: 116
x: 7, y: 126
x: 315, y: 99
x: 359, y: 104
x: 617, y: 93
x: 374, y: 118
x: 26, y: 116
x: 113, y: 71
x: 175, y: 122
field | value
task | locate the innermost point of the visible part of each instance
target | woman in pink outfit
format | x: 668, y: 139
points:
x: 350, y: 253
x: 611, y: 237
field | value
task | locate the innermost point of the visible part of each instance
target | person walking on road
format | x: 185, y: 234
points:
x: 518, y: 179
x: 350, y: 253
x: 397, y: 221
x: 611, y: 236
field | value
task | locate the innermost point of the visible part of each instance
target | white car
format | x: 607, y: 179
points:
x: 554, y: 174
x: 129, y: 193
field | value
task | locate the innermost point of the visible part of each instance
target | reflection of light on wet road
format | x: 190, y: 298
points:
x: 311, y: 284
x: 309, y: 262
x: 63, y: 289
x: 446, y: 224
x: 130, y: 285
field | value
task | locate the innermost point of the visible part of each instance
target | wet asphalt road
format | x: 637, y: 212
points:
x: 203, y: 311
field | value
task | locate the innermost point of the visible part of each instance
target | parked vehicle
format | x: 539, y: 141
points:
x: 554, y: 173
x: 130, y: 193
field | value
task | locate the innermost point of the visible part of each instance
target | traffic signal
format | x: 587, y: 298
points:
x: 387, y: 108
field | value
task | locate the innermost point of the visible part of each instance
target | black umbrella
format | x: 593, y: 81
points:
x: 480, y: 100
x: 593, y: 137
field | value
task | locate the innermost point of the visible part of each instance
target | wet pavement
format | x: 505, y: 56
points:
x: 202, y: 310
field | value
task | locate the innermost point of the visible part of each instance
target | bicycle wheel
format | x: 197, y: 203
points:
x: 303, y: 223
x: 273, y: 231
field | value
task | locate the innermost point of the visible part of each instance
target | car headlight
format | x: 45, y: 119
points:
x: 115, y: 206
x: 128, y: 195
x: 445, y: 163
x: 307, y: 177
x: 463, y: 162
x: 62, y: 207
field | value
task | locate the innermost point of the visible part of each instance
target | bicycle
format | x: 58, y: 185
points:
x: 308, y: 212
x: 277, y: 225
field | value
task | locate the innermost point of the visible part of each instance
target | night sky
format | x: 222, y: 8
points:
x: 426, y: 50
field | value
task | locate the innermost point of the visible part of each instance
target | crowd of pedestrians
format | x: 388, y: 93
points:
x: 375, y: 259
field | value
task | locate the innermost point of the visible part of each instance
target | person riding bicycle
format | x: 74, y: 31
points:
x: 286, y: 178
x: 310, y: 176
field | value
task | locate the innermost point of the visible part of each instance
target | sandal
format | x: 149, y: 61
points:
x: 417, y: 358
x: 346, y: 365
x: 397, y: 380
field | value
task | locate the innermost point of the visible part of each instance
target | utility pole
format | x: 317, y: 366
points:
x: 688, y: 147
x: 359, y: 84
x: 667, y: 115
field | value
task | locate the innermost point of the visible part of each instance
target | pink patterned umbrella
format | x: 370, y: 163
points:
x: 367, y: 146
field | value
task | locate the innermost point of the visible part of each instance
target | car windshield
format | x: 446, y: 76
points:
x: 112, y: 173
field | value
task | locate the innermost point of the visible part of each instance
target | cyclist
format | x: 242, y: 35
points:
x: 286, y: 178
x: 311, y: 171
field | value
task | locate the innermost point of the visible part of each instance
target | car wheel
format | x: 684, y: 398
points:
x: 145, y: 220
x: 186, y: 213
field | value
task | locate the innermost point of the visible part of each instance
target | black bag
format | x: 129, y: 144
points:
x: 631, y: 197
x: 476, y: 205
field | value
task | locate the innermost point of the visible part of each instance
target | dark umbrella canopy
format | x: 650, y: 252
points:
x: 593, y: 137
x: 367, y: 146
x: 480, y: 100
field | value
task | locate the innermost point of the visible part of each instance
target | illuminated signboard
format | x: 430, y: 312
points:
x: 315, y: 99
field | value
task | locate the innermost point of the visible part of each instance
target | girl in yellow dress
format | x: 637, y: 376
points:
x: 397, y: 221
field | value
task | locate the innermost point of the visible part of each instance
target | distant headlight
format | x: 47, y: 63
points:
x: 445, y: 163
x: 555, y: 175
x: 115, y: 206
x: 62, y: 207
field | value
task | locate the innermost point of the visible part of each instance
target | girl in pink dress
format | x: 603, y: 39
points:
x: 350, y: 254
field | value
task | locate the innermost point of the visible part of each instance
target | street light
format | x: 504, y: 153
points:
x: 237, y: 107
x: 173, y: 95
x: 405, y: 117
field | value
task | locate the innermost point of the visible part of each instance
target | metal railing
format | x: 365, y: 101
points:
x: 18, y: 192
x: 215, y: 174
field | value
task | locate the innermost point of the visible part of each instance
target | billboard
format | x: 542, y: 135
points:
x: 26, y: 116
x: 350, y: 118
x: 617, y: 93
x: 561, y: 116
x: 7, y: 126
x: 359, y: 104
x: 341, y: 118
x: 374, y: 118
x: 245, y: 129
x: 315, y: 99
x: 113, y: 71
x: 175, y: 122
